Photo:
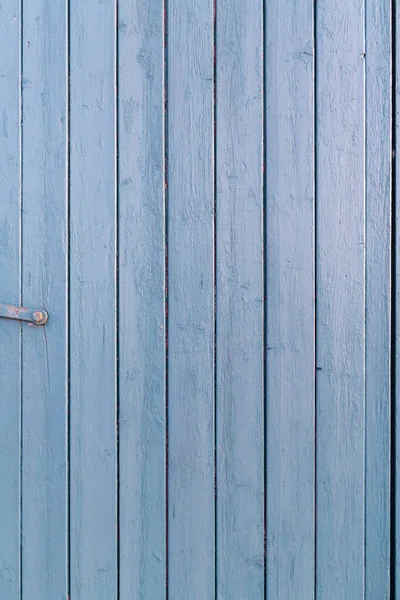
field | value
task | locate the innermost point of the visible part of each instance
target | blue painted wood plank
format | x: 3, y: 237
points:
x: 10, y: 348
x: 190, y: 300
x: 141, y: 300
x: 93, y: 300
x: 290, y: 339
x: 340, y: 147
x: 378, y: 301
x: 44, y: 256
x: 239, y: 300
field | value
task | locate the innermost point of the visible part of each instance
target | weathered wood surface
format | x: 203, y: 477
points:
x: 93, y: 301
x: 200, y: 195
x: 239, y: 301
x: 340, y: 297
x: 10, y: 269
x: 141, y: 300
x: 44, y: 266
x: 190, y: 131
x: 290, y: 299
x: 378, y: 199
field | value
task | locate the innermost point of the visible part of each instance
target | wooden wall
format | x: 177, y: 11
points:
x: 201, y: 193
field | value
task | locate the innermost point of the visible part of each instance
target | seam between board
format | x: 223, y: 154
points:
x: 264, y: 286
x: 215, y: 297
x: 68, y: 296
x: 21, y: 116
x: 365, y: 297
x: 393, y: 315
x: 315, y: 133
x: 117, y: 298
x: 166, y: 321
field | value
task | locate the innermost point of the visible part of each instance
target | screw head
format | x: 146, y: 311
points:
x: 38, y: 316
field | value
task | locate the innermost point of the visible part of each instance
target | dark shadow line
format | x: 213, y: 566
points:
x: 68, y: 307
x: 265, y: 270
x: 166, y: 323
x: 21, y: 291
x: 315, y: 87
x: 393, y: 441
x: 117, y: 300
x: 215, y: 299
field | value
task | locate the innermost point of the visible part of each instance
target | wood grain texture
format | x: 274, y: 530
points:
x: 378, y: 298
x: 10, y: 350
x: 44, y: 264
x: 190, y: 300
x: 218, y: 350
x: 290, y: 340
x: 93, y: 301
x: 239, y: 301
x: 141, y: 300
x: 340, y: 147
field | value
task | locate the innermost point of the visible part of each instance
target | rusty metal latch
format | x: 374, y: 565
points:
x: 38, y: 316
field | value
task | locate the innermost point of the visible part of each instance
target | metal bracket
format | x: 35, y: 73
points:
x: 38, y: 316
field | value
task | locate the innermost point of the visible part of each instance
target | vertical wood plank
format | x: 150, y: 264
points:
x: 191, y: 299
x: 10, y: 350
x: 239, y: 303
x: 141, y: 300
x: 93, y: 301
x: 44, y: 350
x: 378, y: 302
x: 290, y: 338
x: 340, y: 66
